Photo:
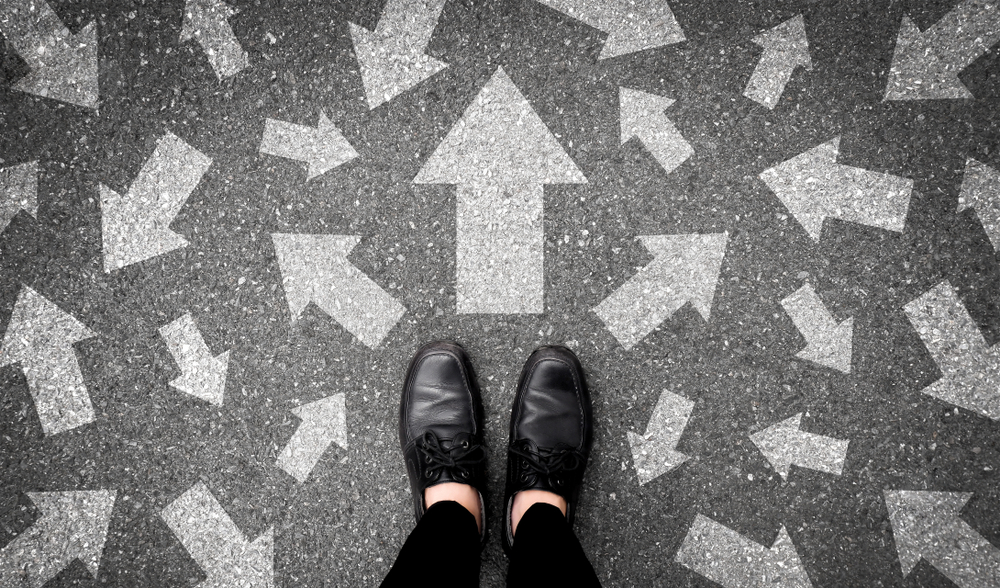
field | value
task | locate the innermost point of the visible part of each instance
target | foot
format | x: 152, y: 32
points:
x: 441, y: 430
x: 550, y: 437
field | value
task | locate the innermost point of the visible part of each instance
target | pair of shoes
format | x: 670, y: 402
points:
x: 441, y: 427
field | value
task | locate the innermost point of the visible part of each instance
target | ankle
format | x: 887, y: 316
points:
x: 463, y: 494
x: 525, y: 499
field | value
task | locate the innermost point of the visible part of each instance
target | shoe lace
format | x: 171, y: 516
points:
x: 552, y: 463
x: 460, y: 457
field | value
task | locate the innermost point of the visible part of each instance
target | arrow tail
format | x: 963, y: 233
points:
x: 769, y: 78
x: 667, y: 145
x: 821, y: 453
x: 289, y: 140
x: 323, y: 422
x: 410, y: 22
x: 207, y: 22
x: 654, y: 453
x: 204, y: 528
x: 965, y: 33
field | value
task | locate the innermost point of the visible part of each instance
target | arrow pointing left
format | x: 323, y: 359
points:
x: 813, y: 186
x: 202, y: 374
x: 63, y: 66
x: 206, y: 21
x: 928, y: 526
x: 228, y: 559
x: 136, y: 227
x: 827, y: 343
x: 72, y: 526
x: 323, y: 422
x: 785, y: 443
x: 18, y: 191
x: 641, y: 116
x: 40, y: 337
x: 785, y: 48
x: 655, y: 453
x: 323, y: 148
x: 632, y: 25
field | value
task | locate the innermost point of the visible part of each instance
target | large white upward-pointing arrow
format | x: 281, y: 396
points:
x: 926, y: 65
x: 928, y: 525
x: 970, y: 368
x: 685, y: 268
x: 981, y: 192
x: 501, y: 155
x: 72, y: 525
x: 655, y: 453
x: 217, y: 544
x: 813, y: 186
x: 202, y: 374
x: 827, y: 343
x: 641, y: 116
x: 315, y: 269
x: 730, y: 559
x: 632, y: 25
x: 323, y: 422
x: 136, y: 227
x: 323, y: 147
x: 40, y: 337
x: 206, y: 21
x: 785, y: 443
x: 392, y: 58
x: 785, y: 48
x: 63, y: 66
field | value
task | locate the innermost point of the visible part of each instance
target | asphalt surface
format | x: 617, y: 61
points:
x: 149, y: 442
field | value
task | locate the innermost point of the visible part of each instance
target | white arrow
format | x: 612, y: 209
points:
x: 981, y: 192
x: 501, y: 155
x: 392, y: 57
x: 203, y: 375
x: 641, y: 116
x: 631, y: 25
x: 315, y: 269
x: 928, y: 526
x: 827, y: 343
x: 970, y: 368
x: 785, y: 48
x: 217, y: 544
x: 136, y: 227
x: 63, y: 66
x: 40, y: 336
x: 72, y: 526
x: 18, y: 191
x: 206, y: 21
x: 730, y: 559
x: 785, y: 443
x: 685, y: 268
x: 925, y: 66
x: 323, y: 148
x: 813, y: 186
x: 323, y: 422
x: 655, y: 453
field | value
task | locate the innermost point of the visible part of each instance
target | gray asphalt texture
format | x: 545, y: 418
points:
x: 344, y: 525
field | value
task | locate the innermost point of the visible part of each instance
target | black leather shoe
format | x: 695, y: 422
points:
x: 550, y: 431
x: 441, y: 423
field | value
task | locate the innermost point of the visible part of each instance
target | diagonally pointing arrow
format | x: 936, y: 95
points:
x: 827, y: 343
x: 72, y: 526
x: 323, y: 422
x: 685, y: 268
x: 323, y: 148
x: 392, y: 57
x: 136, y: 227
x: 642, y: 117
x: 216, y: 543
x: 315, y: 269
x: 203, y: 375
x: 40, y: 337
x: 63, y: 66
x: 654, y: 453
x: 813, y: 186
x: 981, y: 192
x: 730, y: 559
x: 206, y: 21
x: 785, y: 48
x: 18, y: 191
x: 970, y: 368
x: 785, y: 443
x: 928, y: 525
x: 632, y: 25
x: 501, y: 155
x: 925, y: 66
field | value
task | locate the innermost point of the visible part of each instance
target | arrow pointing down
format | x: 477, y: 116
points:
x: 827, y: 343
x: 203, y: 375
x: 323, y: 422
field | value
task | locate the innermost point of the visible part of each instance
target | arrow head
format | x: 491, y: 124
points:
x: 19, y: 191
x: 332, y: 148
x: 199, y: 14
x: 917, y: 520
x: 834, y: 350
x: 125, y: 242
x: 73, y: 525
x: 66, y: 70
x: 328, y: 416
x: 304, y: 259
x: 776, y: 441
x: 38, y: 328
x: 695, y: 262
x: 636, y: 25
x: 207, y: 382
x: 637, y: 109
x: 917, y: 73
x: 789, y: 39
x: 388, y: 67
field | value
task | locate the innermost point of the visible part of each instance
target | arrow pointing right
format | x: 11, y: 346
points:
x: 632, y: 25
x: 981, y: 192
x: 827, y: 343
x: 63, y: 66
x: 323, y: 148
x: 18, y: 191
x: 730, y: 559
x: 685, y: 268
x: 72, y: 525
x: 813, y: 186
x: 785, y: 48
x: 928, y: 525
x: 655, y: 453
x: 785, y: 443
x: 323, y: 422
x: 641, y: 116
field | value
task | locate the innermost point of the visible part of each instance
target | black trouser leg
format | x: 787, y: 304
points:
x: 443, y: 550
x: 547, y: 553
